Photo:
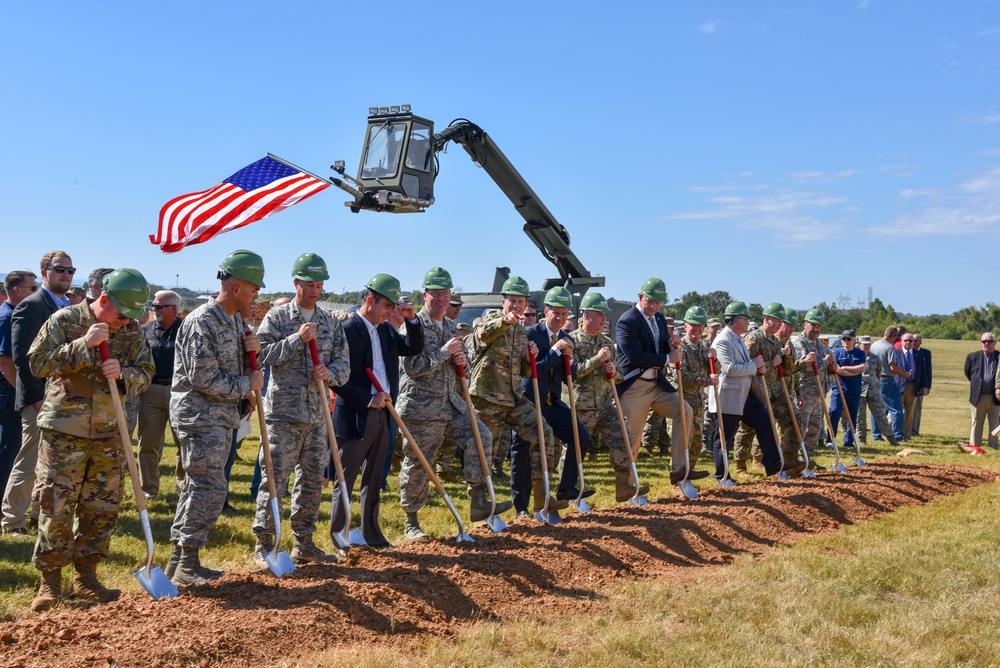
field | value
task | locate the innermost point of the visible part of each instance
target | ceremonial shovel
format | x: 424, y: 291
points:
x: 279, y: 562
x: 770, y: 416
x: 726, y: 481
x: 850, y: 423
x: 837, y: 466
x: 806, y: 472
x: 580, y: 504
x: 345, y: 537
x: 687, y: 487
x: 152, y: 578
x: 544, y: 515
x: 493, y: 521
x: 428, y: 469
x: 636, y: 500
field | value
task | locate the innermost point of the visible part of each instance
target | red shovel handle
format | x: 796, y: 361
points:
x: 314, y: 352
x: 781, y: 372
x: 374, y: 380
x: 252, y: 354
x: 815, y: 370
x: 105, y: 354
x: 461, y: 370
x: 677, y: 365
x: 568, y: 365
x: 611, y: 375
x: 711, y: 365
x: 534, y: 367
x: 761, y: 371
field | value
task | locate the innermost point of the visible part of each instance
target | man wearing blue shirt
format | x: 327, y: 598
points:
x: 851, y: 365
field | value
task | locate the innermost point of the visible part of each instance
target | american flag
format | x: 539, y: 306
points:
x: 255, y: 192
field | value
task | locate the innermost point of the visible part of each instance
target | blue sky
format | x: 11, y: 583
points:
x: 783, y: 151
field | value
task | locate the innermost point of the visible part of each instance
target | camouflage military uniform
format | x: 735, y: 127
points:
x: 696, y: 376
x: 496, y: 383
x: 769, y: 346
x: 79, y: 462
x: 431, y: 404
x: 296, y: 428
x: 871, y: 400
x: 208, y: 386
x: 592, y: 388
x: 811, y: 414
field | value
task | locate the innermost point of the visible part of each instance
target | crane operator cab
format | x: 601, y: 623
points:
x: 398, y: 165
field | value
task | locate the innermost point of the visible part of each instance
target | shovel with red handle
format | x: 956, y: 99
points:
x: 850, y: 423
x: 581, y: 505
x: 544, y: 515
x: 493, y: 521
x: 806, y: 472
x: 770, y: 416
x: 345, y: 537
x: 837, y: 466
x: 636, y: 500
x: 428, y: 469
x: 687, y: 487
x: 725, y: 481
x: 278, y: 561
x: 152, y: 578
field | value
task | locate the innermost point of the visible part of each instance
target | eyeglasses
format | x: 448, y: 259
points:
x: 533, y: 314
x: 988, y: 341
x: 157, y: 307
x: 28, y: 288
x: 63, y: 270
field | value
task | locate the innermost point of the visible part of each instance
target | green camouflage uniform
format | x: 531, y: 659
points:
x: 595, y: 407
x: 696, y: 376
x: 496, y: 390
x: 430, y: 402
x: 208, y: 387
x: 811, y: 420
x: 769, y: 346
x: 80, y: 459
x: 296, y: 428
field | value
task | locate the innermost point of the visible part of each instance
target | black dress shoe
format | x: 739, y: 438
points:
x: 386, y: 545
x: 677, y: 476
x: 572, y: 494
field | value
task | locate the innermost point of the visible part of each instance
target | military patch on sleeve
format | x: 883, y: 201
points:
x: 196, y: 346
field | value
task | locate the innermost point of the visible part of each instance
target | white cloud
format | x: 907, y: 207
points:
x: 729, y: 186
x: 917, y: 192
x: 990, y: 151
x: 820, y: 176
x: 977, y: 119
x: 989, y: 32
x: 709, y: 26
x: 970, y: 207
x: 901, y: 171
x: 863, y: 4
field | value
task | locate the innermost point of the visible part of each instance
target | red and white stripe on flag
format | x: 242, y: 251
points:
x: 244, y: 198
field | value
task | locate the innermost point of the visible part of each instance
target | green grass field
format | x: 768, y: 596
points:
x: 918, y: 587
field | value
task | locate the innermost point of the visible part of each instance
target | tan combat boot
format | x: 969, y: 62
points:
x: 49, y: 591
x: 480, y: 506
x: 305, y: 551
x: 85, y: 584
x: 624, y: 489
x: 538, y: 494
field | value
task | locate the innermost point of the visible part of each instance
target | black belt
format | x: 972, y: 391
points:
x: 162, y: 381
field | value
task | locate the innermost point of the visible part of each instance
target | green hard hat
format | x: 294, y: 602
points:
x: 246, y: 265
x: 559, y: 297
x: 128, y: 290
x: 385, y: 285
x: 775, y: 310
x: 515, y: 285
x: 815, y: 316
x: 310, y: 267
x: 594, y: 301
x: 437, y: 278
x: 737, y: 308
x: 696, y: 315
x: 655, y: 289
x: 791, y: 317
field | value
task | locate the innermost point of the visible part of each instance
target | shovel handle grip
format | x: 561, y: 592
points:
x: 568, y: 365
x: 374, y: 380
x: 314, y: 352
x: 781, y: 372
x: 461, y: 370
x: 711, y: 365
x: 105, y: 354
x: 611, y: 375
x: 815, y: 370
x: 534, y: 366
x: 252, y: 354
x: 677, y: 365
x: 761, y: 371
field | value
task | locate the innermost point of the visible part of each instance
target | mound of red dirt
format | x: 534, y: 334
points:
x: 436, y: 588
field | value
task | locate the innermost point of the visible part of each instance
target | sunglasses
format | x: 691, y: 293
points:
x: 63, y: 270
x: 988, y: 341
x: 157, y: 307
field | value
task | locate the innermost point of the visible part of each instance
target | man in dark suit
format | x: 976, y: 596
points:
x: 980, y: 369
x: 552, y: 344
x: 644, y: 350
x: 924, y: 378
x: 360, y: 423
x: 27, y: 319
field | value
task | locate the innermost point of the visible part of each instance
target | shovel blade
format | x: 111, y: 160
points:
x: 688, y: 489
x: 279, y: 563
x: 638, y: 501
x: 581, y: 506
x: 859, y: 461
x: 726, y: 482
x: 782, y: 475
x: 548, y: 517
x: 463, y: 537
x: 808, y: 473
x: 839, y: 466
x: 342, y: 538
x: 156, y: 583
x: 495, y: 524
x: 357, y: 538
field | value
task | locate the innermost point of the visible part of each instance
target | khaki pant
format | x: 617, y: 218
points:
x: 17, y: 497
x: 646, y: 394
x: 154, y: 414
x: 983, y: 411
x: 909, y: 406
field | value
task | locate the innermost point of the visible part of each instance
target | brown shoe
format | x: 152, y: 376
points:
x: 624, y: 489
x: 86, y: 585
x: 49, y: 591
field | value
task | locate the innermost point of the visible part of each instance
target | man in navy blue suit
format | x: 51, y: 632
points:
x: 360, y: 423
x: 552, y: 344
x: 925, y: 376
x: 644, y: 351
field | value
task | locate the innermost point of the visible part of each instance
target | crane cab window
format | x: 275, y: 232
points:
x: 418, y: 152
x: 383, y: 152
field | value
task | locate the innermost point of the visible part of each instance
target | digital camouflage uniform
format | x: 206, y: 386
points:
x: 496, y: 390
x: 431, y: 403
x: 296, y: 428
x: 696, y: 376
x: 208, y: 386
x: 811, y: 414
x: 595, y: 407
x: 80, y: 459
x: 769, y: 346
x: 871, y: 400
